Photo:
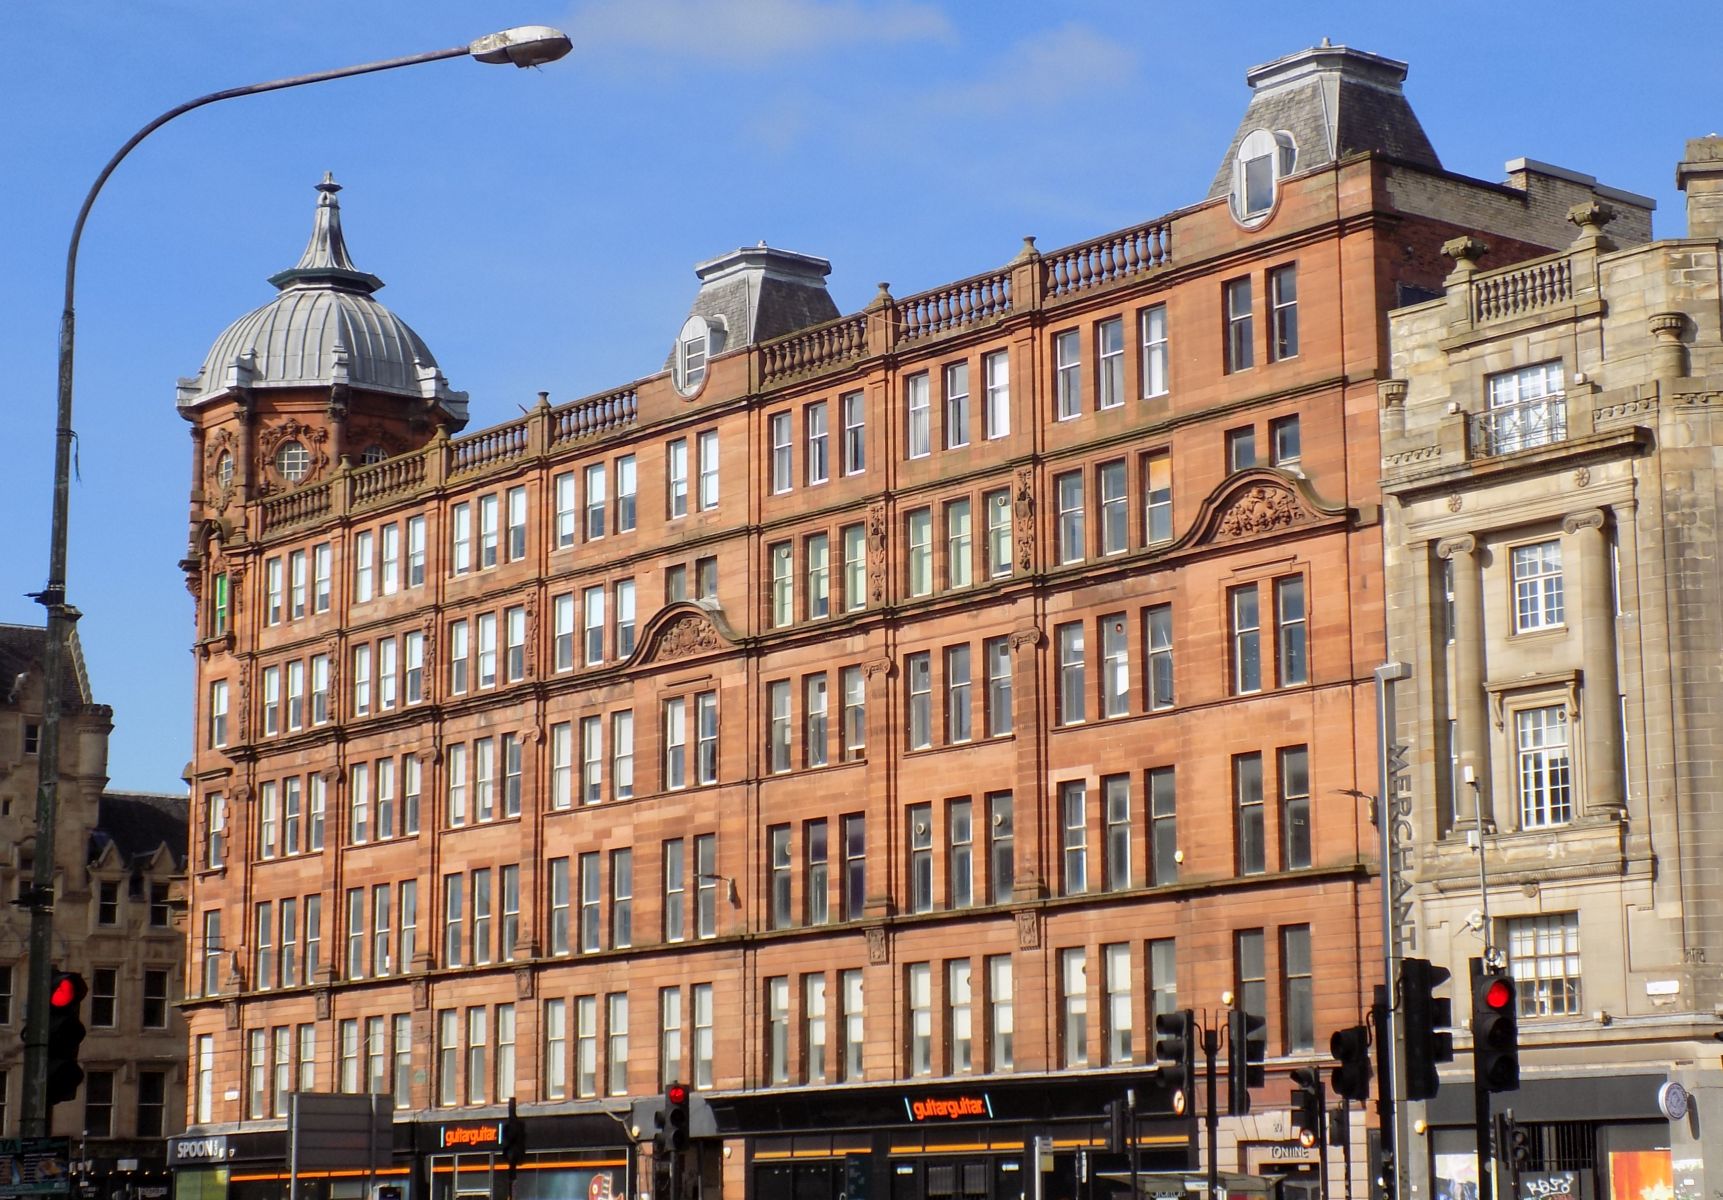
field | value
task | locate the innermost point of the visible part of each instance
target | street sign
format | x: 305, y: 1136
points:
x: 34, y: 1167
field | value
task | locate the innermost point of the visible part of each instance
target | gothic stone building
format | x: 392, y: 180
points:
x: 117, y: 922
x: 925, y: 697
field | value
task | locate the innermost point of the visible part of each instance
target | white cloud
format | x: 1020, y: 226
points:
x: 748, y: 32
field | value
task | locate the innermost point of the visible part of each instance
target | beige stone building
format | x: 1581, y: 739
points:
x: 115, y: 922
x: 1551, y: 483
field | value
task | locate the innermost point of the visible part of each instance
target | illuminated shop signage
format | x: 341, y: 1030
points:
x: 486, y: 1135
x: 948, y: 1108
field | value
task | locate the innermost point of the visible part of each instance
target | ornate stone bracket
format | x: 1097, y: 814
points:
x: 1026, y: 640
x: 525, y: 983
x: 873, y: 668
x: 878, y: 945
x: 1028, y: 929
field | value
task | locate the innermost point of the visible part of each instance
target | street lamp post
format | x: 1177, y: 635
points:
x: 524, y: 46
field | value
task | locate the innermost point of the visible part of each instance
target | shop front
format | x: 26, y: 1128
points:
x: 583, y: 1157
x: 1599, y: 1137
x: 1035, y: 1139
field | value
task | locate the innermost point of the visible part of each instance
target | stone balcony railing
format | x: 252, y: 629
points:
x: 1029, y: 282
x: 359, y: 489
x: 1522, y: 289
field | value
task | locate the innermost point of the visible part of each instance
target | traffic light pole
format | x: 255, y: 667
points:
x: 1211, y: 1052
x: 1481, y: 1100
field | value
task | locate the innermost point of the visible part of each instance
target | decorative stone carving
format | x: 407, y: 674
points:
x: 1391, y: 392
x: 1455, y: 502
x: 1023, y: 518
x: 1025, y: 639
x: 421, y: 994
x: 325, y: 1004
x: 531, y: 636
x: 315, y: 441
x: 1028, y: 930
x: 1463, y: 543
x: 1590, y: 519
x: 878, y: 947
x: 1591, y: 216
x: 242, y: 715
x: 1465, y: 251
x: 876, y: 553
x: 875, y: 667
x: 1257, y: 510
x: 230, y: 1013
x: 1581, y: 476
x: 222, y: 443
x: 524, y: 983
x: 685, y: 636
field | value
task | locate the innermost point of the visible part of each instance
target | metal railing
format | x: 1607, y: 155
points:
x: 1523, y: 425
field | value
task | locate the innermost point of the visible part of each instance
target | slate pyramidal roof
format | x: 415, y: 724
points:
x: 21, y: 650
x: 1334, y: 101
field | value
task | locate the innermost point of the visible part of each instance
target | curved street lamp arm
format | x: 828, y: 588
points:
x: 250, y: 89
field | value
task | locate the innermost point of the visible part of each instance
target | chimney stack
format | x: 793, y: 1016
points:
x: 1700, y: 175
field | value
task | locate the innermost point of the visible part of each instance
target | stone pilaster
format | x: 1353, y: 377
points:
x: 1600, y: 704
x: 1471, y: 702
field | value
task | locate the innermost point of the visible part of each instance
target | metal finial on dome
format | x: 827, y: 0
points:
x: 326, y: 261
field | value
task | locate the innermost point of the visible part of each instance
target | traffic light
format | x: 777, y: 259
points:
x: 1118, y: 1126
x: 1495, y: 1031
x: 1351, y: 1047
x: 65, y: 1034
x: 1307, y: 1105
x: 1246, y: 1047
x: 1176, y: 1053
x: 1427, y: 1018
x: 514, y: 1137
x: 676, y: 1117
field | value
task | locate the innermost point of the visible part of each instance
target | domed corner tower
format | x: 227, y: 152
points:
x: 321, y: 377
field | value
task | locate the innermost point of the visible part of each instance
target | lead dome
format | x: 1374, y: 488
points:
x: 324, y: 328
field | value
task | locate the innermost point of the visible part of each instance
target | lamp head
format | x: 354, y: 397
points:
x: 524, y: 46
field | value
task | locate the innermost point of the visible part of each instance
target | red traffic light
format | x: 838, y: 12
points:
x: 64, y: 994
x: 676, y: 1093
x: 1499, y: 996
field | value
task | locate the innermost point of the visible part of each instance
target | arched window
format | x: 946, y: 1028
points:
x: 224, y: 469
x: 1264, y: 158
x: 373, y: 454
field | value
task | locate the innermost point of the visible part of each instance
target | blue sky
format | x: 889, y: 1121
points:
x: 539, y: 228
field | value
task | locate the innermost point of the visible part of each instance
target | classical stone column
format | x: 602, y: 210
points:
x: 1600, y: 696
x: 1471, y: 703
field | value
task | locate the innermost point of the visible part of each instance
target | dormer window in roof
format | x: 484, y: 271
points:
x: 1264, y: 158
x: 698, y: 342
x: 373, y: 454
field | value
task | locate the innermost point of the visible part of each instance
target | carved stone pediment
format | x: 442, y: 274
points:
x: 1258, y: 503
x: 683, y: 631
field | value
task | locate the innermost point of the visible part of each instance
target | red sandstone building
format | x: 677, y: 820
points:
x: 863, y: 710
